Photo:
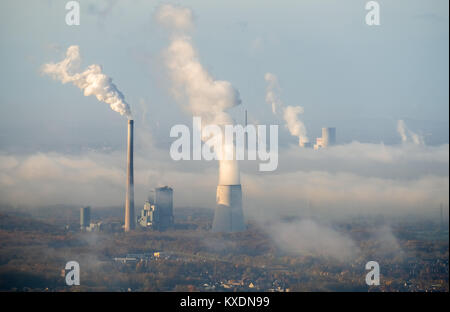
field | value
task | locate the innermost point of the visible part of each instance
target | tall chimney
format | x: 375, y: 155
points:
x: 245, y: 133
x: 130, y: 221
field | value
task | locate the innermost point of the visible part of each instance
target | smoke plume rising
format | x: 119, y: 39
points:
x: 290, y: 113
x: 271, y: 92
x: 92, y: 80
x: 408, y: 135
x: 192, y: 84
x: 175, y: 18
x: 295, y: 126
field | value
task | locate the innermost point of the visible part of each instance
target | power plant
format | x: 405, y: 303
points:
x: 158, y: 210
x: 305, y: 144
x: 228, y: 216
x: 85, y: 218
x: 163, y: 199
x: 130, y: 220
x: 157, y: 213
x: 328, y: 138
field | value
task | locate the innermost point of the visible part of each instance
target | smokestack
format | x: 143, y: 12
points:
x: 245, y: 134
x: 129, y: 200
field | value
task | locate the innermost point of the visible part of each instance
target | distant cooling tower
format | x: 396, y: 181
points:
x: 228, y: 216
x: 328, y: 136
x: 130, y: 221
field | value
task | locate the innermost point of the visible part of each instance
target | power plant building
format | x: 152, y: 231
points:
x: 304, y: 144
x: 328, y: 138
x: 85, y: 218
x: 149, y: 216
x: 158, y: 210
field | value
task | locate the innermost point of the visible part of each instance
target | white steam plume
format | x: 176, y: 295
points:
x: 295, y: 126
x: 206, y: 97
x: 290, y: 113
x: 407, y: 134
x: 271, y: 92
x: 175, y: 18
x: 92, y: 81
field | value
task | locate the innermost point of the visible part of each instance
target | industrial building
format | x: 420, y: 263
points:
x: 157, y: 213
x: 149, y: 216
x: 86, y: 225
x: 104, y: 227
x: 95, y: 227
x: 305, y: 144
x: 328, y: 138
x: 85, y: 218
x: 228, y: 216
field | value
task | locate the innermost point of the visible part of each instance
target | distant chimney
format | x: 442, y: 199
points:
x: 245, y: 133
x: 130, y: 221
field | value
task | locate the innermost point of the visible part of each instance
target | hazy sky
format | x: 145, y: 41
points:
x: 344, y: 73
x: 58, y: 146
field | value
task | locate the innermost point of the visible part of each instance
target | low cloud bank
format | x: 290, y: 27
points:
x: 340, y: 182
x: 308, y: 238
x: 347, y: 179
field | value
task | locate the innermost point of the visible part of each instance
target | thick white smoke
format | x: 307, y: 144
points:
x: 175, y: 18
x: 290, y: 113
x: 295, y: 126
x: 408, y: 135
x: 92, y: 80
x: 206, y: 97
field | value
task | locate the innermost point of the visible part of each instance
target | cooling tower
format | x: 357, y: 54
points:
x: 228, y: 216
x: 328, y: 136
x: 130, y: 221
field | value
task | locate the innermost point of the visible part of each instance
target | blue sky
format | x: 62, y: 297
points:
x: 344, y: 73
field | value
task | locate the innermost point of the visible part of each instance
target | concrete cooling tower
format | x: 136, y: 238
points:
x: 228, y: 216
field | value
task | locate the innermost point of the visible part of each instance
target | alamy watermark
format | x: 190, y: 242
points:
x: 72, y: 272
x: 73, y: 16
x: 373, y: 276
x: 227, y: 142
x: 373, y: 16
